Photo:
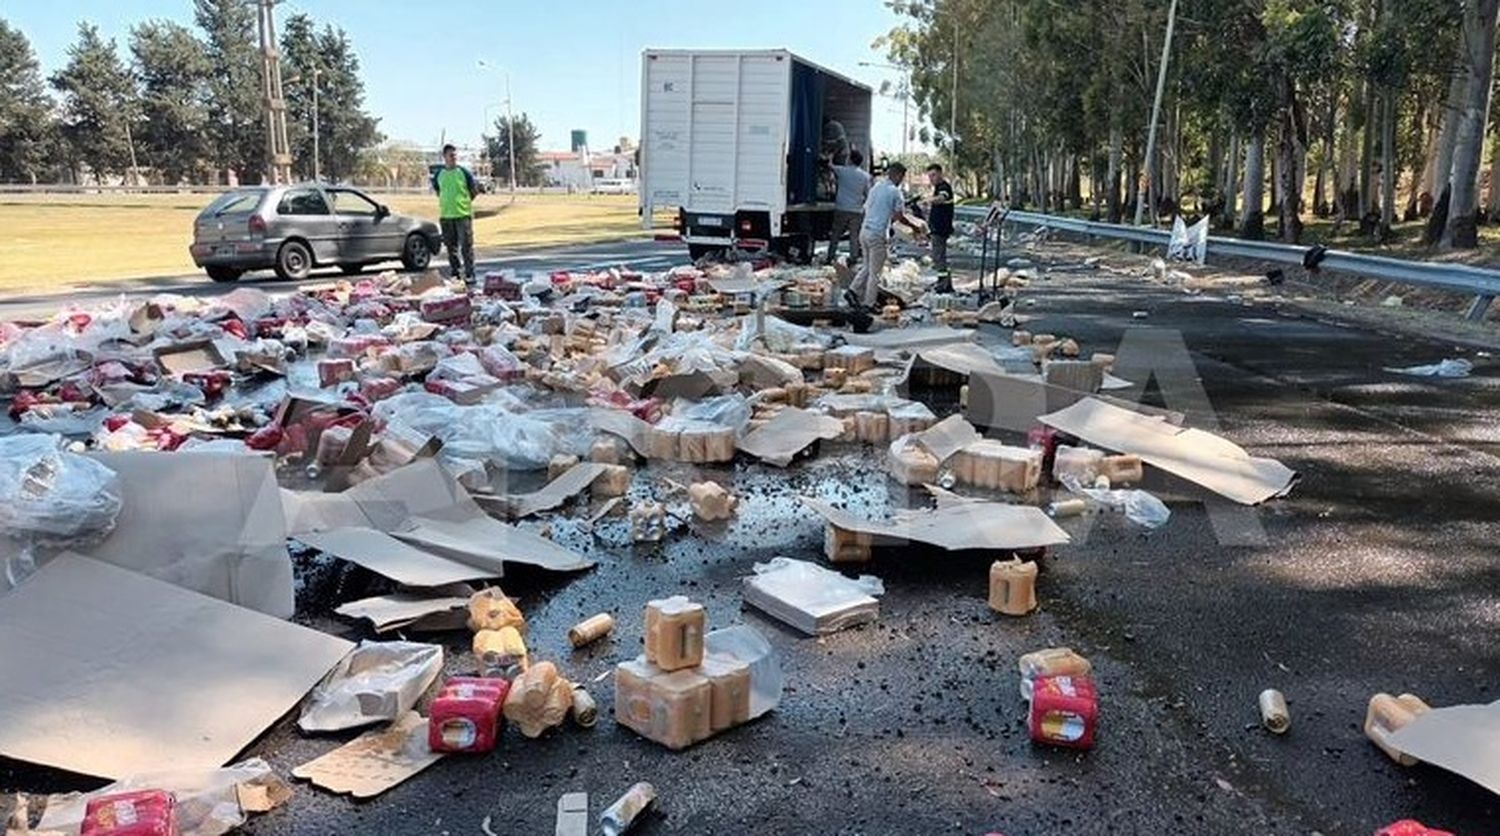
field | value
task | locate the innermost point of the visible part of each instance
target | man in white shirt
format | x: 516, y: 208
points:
x: 884, y: 206
x: 848, y: 206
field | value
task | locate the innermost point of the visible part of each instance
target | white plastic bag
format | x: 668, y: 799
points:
x: 52, y: 495
x: 377, y: 681
x: 208, y: 801
x: 1188, y: 243
x: 1452, y: 367
x: 747, y: 645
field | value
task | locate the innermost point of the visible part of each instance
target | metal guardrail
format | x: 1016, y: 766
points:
x: 1483, y: 283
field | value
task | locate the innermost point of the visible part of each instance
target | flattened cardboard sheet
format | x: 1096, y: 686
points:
x: 575, y: 481
x: 441, y: 608
x: 422, y: 505
x: 375, y: 761
x: 385, y: 555
x: 1200, y: 457
x: 947, y: 437
x: 912, y: 337
x: 789, y: 433
x: 1462, y: 738
x: 955, y: 526
x: 112, y: 673
x: 209, y: 522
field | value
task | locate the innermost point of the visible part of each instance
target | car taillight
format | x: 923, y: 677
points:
x: 257, y: 225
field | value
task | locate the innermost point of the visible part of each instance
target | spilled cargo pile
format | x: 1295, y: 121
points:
x: 163, y: 455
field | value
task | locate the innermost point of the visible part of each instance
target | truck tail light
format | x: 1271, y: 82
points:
x: 746, y: 225
x: 257, y: 225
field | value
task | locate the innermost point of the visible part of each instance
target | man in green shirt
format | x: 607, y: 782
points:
x: 456, y: 189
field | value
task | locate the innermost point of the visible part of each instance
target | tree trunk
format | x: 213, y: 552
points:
x: 1367, y: 156
x: 1322, y: 207
x: 1442, y: 160
x: 1231, y: 183
x: 1387, y: 164
x: 1492, y: 204
x: 1293, y: 147
x: 1479, y: 48
x: 1116, y: 151
x: 1132, y: 181
x: 1253, y: 217
x: 1075, y: 182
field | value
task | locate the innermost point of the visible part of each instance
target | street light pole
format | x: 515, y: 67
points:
x: 510, y: 136
x: 510, y: 124
x: 905, y: 91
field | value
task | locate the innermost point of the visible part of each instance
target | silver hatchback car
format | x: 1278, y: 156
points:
x: 293, y: 229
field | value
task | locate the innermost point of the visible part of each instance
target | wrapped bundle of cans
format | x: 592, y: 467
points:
x: 675, y: 693
x: 1062, y: 702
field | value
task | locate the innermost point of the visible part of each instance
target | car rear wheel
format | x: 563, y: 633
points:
x: 416, y: 253
x: 352, y: 269
x: 223, y: 274
x: 293, y: 261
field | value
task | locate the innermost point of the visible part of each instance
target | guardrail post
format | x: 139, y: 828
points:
x: 1479, y: 307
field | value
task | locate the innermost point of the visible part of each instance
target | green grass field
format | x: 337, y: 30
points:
x: 58, y: 240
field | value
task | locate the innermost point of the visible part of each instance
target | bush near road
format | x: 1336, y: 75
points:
x: 49, y: 240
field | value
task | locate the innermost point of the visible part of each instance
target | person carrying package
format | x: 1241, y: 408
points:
x: 848, y: 206
x: 456, y: 188
x: 939, y: 217
x: 884, y: 206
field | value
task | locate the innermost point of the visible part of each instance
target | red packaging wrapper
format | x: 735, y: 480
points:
x: 1410, y: 827
x: 334, y: 372
x: 1064, y: 711
x: 113, y: 423
x: 447, y: 309
x: 465, y: 715
x: 1045, y: 439
x: 265, y: 438
x: 497, y: 285
x: 235, y: 327
x: 379, y: 388
x: 143, y: 813
x: 212, y: 383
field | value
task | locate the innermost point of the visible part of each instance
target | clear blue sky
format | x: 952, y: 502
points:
x: 573, y: 64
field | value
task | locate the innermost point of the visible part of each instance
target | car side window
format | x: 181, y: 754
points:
x: 302, y: 202
x: 346, y: 202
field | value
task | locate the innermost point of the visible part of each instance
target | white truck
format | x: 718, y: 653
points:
x: 741, y: 142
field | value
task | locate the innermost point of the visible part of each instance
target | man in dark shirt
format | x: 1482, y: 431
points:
x: 939, y: 217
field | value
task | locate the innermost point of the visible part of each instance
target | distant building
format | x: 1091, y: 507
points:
x: 583, y: 170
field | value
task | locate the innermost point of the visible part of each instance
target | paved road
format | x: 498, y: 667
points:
x: 1377, y: 573
x: 637, y: 254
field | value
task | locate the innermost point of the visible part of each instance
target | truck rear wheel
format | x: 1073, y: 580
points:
x: 697, y: 252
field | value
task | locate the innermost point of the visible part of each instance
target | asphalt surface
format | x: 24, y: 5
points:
x: 644, y: 255
x: 1377, y: 573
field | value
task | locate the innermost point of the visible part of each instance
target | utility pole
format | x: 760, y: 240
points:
x: 1148, y: 194
x: 317, y: 157
x: 278, y: 148
x: 953, y: 101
